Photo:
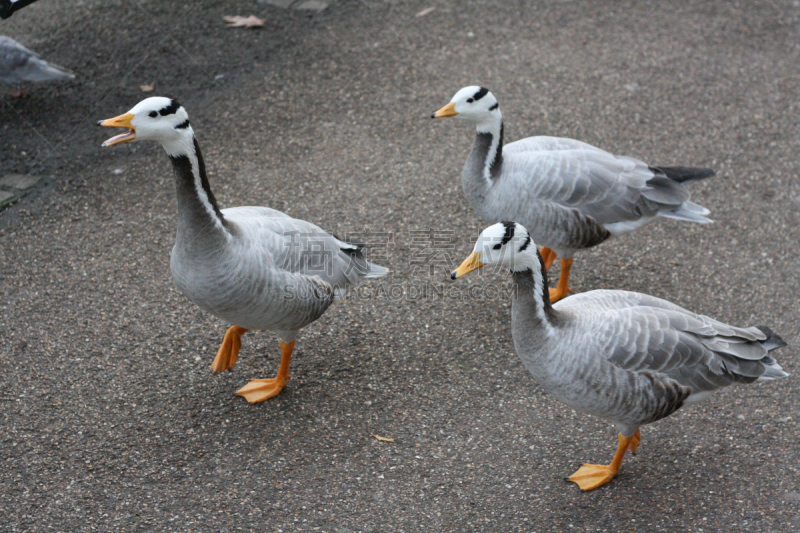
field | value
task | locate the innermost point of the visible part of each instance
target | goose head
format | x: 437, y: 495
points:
x: 475, y: 104
x: 505, y: 244
x: 154, y: 119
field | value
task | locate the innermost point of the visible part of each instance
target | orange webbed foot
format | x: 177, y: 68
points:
x: 258, y: 390
x: 589, y: 477
x: 229, y: 349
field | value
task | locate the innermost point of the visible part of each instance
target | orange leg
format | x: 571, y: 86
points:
x: 562, y: 290
x: 590, y: 477
x: 229, y: 350
x: 548, y: 256
x: 633, y: 445
x: 258, y: 390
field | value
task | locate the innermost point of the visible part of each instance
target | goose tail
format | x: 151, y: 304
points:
x: 364, y: 268
x: 375, y: 271
x: 685, y: 174
x: 772, y: 342
x: 690, y: 212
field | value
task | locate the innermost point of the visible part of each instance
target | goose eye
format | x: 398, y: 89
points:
x: 470, y: 100
x: 497, y: 246
x: 152, y: 114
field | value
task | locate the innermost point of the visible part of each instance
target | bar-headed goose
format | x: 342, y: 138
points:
x: 626, y: 357
x: 254, y: 267
x: 569, y: 194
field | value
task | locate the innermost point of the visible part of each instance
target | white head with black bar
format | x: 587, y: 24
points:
x: 505, y: 244
x: 158, y: 119
x: 474, y: 104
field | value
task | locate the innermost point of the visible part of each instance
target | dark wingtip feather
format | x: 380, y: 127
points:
x: 773, y: 340
x: 685, y: 174
x: 356, y: 248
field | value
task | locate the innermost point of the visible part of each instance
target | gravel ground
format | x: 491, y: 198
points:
x: 111, y: 418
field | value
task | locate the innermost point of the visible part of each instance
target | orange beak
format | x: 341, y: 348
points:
x: 447, y: 111
x: 473, y: 262
x: 122, y: 121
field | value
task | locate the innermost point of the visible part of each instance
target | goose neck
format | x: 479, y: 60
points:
x: 198, y: 211
x: 531, y: 305
x: 492, y: 129
x: 486, y: 158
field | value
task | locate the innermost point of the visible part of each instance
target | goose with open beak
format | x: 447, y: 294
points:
x: 253, y: 267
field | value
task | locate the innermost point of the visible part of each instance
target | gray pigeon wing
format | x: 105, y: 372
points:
x: 18, y: 64
x: 13, y: 57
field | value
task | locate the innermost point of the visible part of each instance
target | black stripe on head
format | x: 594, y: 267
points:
x: 525, y: 244
x: 495, y: 106
x: 183, y: 125
x: 171, y: 109
x: 506, y: 236
x: 510, y: 228
x: 483, y: 91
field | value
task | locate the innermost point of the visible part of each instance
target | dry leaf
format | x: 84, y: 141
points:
x: 382, y: 439
x: 148, y: 88
x: 424, y: 11
x: 245, y: 22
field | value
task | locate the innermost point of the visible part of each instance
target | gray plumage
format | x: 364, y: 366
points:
x: 626, y: 357
x: 275, y: 272
x: 569, y: 194
x: 254, y: 267
x: 633, y: 359
x: 18, y: 64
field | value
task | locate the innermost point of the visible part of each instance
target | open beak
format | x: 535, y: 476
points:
x: 122, y: 121
x: 447, y: 111
x: 473, y: 262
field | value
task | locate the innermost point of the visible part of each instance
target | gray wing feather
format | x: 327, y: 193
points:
x: 546, y: 143
x: 276, y: 272
x: 641, y: 333
x: 301, y: 247
x: 599, y: 185
x: 603, y: 186
x: 259, y: 282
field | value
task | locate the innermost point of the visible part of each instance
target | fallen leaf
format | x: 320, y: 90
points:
x: 245, y: 22
x: 424, y: 12
x: 148, y: 88
x: 382, y: 439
